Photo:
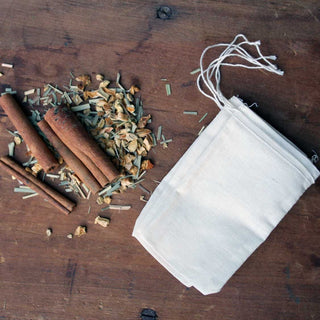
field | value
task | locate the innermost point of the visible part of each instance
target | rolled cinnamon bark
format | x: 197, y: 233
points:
x: 54, y: 197
x: 69, y: 129
x: 70, y: 159
x: 37, y: 146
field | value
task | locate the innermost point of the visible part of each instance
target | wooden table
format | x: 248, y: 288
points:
x: 107, y: 274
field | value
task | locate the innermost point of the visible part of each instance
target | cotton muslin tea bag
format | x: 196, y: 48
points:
x: 229, y: 190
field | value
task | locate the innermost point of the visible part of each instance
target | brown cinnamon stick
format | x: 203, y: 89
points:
x: 70, y: 159
x: 54, y: 197
x: 37, y: 146
x: 69, y: 129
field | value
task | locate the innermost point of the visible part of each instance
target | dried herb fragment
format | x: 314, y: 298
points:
x: 104, y: 222
x: 80, y: 231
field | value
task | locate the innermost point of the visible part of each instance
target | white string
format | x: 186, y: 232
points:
x: 232, y: 49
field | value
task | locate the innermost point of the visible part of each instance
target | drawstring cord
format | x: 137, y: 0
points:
x: 233, y: 49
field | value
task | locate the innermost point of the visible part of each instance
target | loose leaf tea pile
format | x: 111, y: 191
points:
x: 113, y: 116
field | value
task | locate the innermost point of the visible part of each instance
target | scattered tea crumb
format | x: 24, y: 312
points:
x: 116, y: 207
x: 49, y: 232
x: 80, y: 231
x: 7, y: 65
x: 28, y: 92
x: 70, y: 236
x: 99, y: 77
x: 142, y: 198
x: 1, y: 74
x: 104, y: 222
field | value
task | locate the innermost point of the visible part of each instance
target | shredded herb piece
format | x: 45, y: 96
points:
x: 30, y: 195
x: 195, y: 71
x: 201, y: 130
x: 168, y: 89
x: 203, y: 117
x: 193, y: 113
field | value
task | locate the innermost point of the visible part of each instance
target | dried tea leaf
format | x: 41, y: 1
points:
x: 143, y: 132
x: 99, y: 77
x: 133, y: 145
x: 80, y: 231
x: 133, y: 89
x: 36, y: 168
x: 104, y: 84
x: 85, y: 79
x: 107, y: 200
x: 143, y: 121
x: 146, y: 165
x: 104, y: 222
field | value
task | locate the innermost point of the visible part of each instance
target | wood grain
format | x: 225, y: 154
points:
x: 106, y: 274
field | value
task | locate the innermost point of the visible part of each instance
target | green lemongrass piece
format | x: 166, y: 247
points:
x: 144, y: 189
x: 30, y: 195
x: 201, y: 130
x: 28, y: 92
x: 13, y: 133
x: 203, y: 117
x: 105, y: 190
x: 159, y: 133
x: 72, y: 75
x: 25, y: 190
x: 166, y: 141
x: 46, y: 92
x: 157, y: 181
x: 68, y: 190
x: 53, y: 176
x: 95, y: 100
x: 8, y: 89
x: 81, y: 107
x: 168, y: 89
x: 103, y: 94
x: 11, y: 146
x: 65, y: 94
x: 118, y: 81
x: 89, y: 194
x: 26, y: 164
x: 193, y: 113
x: 89, y: 209
x: 154, y: 140
x: 195, y: 71
x: 85, y: 188
x: 55, y: 89
x: 164, y: 79
x: 116, y: 207
x: 142, y: 174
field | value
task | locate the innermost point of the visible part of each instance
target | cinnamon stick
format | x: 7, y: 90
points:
x: 69, y: 129
x: 54, y: 197
x: 70, y: 159
x: 37, y: 146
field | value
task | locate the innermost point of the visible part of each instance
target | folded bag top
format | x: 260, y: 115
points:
x: 242, y: 178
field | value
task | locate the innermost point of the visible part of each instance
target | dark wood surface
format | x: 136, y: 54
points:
x: 107, y: 274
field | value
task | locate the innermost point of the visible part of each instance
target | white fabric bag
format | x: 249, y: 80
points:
x: 228, y: 191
